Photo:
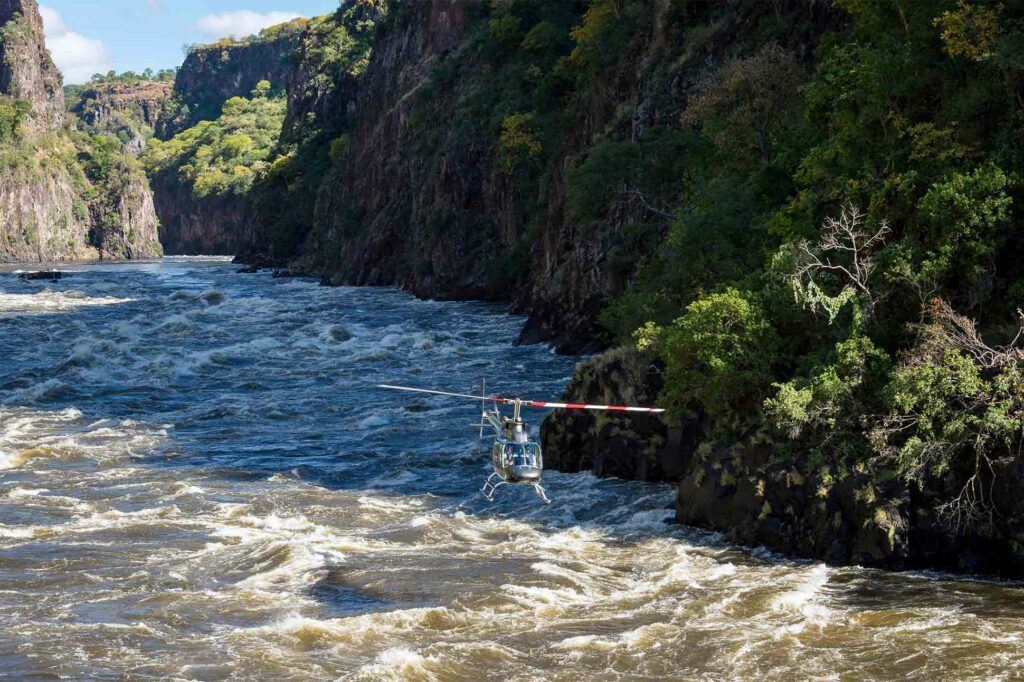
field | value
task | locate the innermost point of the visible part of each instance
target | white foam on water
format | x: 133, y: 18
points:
x: 399, y: 663
x: 644, y: 639
x: 373, y: 421
x: 16, y: 460
x: 181, y: 488
x: 44, y: 390
x: 17, y: 531
x: 26, y: 492
x: 804, y: 599
x: 392, y: 504
x: 177, y: 323
x: 228, y: 354
x: 53, y: 301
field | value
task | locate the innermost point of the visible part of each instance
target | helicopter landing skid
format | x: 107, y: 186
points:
x: 490, y: 488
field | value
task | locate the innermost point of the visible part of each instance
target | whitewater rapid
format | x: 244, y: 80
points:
x: 199, y: 481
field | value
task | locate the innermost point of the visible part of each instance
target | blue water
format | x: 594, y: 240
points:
x: 259, y: 374
x: 199, y: 480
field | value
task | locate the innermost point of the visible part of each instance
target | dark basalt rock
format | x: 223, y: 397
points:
x: 741, y: 485
x: 43, y: 275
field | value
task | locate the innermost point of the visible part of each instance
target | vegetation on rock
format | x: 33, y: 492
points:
x: 872, y: 211
x: 222, y: 156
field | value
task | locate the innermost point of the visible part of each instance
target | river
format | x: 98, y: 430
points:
x: 199, y: 481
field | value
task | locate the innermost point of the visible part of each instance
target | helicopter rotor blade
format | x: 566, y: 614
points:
x: 452, y: 395
x: 529, y: 403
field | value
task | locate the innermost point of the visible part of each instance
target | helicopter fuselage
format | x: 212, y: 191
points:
x: 517, y: 461
x: 515, y: 458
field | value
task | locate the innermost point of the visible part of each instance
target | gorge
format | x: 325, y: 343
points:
x: 794, y: 223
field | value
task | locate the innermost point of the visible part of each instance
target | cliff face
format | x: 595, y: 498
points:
x: 26, y: 70
x: 57, y: 200
x: 42, y: 217
x: 125, y: 226
x: 402, y: 209
x: 211, y: 226
x: 215, y: 223
x: 112, y: 105
x: 211, y: 75
x: 456, y: 176
x: 322, y: 90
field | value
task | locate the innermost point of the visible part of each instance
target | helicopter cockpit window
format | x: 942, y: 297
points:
x: 520, y: 454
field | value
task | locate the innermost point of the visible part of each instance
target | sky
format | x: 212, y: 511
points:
x: 87, y: 36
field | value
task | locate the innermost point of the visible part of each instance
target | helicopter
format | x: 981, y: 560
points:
x: 516, y: 459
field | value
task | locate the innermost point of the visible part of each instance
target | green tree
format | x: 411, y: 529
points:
x: 718, y: 355
x: 749, y: 100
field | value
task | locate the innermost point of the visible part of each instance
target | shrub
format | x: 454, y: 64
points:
x: 968, y: 214
x: 13, y: 113
x: 718, y: 355
x: 518, y: 142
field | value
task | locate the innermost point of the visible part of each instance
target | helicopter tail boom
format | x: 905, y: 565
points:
x: 579, y: 406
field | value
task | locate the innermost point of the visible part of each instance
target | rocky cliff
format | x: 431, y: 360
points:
x: 425, y: 213
x: 747, y: 489
x: 213, y: 74
x: 211, y: 226
x: 42, y: 215
x: 471, y: 124
x: 215, y: 222
x: 322, y: 88
x: 63, y: 196
x: 26, y: 70
x: 129, y: 109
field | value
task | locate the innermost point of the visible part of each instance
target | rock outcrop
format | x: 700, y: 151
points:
x: 213, y: 74
x: 738, y: 486
x: 42, y: 216
x: 399, y: 212
x: 211, y: 226
x: 133, y: 231
x: 54, y: 206
x: 109, y: 105
x: 26, y: 70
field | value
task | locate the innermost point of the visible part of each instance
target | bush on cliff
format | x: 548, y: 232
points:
x: 717, y: 356
x: 13, y: 113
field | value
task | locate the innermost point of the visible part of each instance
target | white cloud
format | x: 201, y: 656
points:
x: 240, y: 24
x: 77, y: 56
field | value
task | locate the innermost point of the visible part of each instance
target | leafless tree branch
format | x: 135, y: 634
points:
x: 845, y: 248
x: 639, y: 197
